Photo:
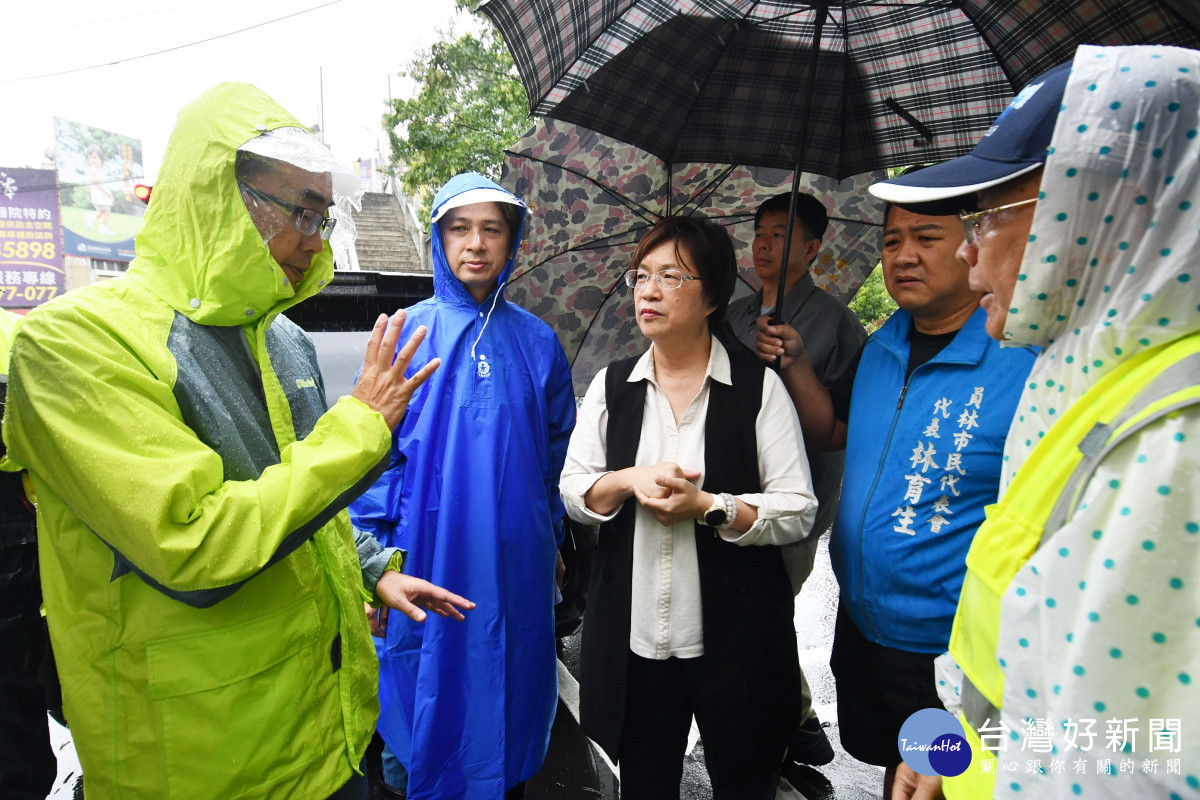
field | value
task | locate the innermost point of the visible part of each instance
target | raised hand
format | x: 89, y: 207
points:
x: 381, y: 382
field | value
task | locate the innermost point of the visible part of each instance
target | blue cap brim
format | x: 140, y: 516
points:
x: 1016, y: 143
x: 945, y: 180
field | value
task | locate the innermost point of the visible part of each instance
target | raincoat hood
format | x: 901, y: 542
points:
x: 472, y: 188
x: 1113, y: 248
x: 198, y: 249
x: 471, y: 493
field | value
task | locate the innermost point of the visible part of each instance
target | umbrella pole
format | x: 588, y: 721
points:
x: 801, y: 143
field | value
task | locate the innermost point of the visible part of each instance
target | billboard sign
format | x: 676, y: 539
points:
x: 97, y: 170
x: 31, y: 258
x: 369, y: 174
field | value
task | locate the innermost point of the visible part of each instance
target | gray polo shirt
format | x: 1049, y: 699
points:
x: 833, y: 337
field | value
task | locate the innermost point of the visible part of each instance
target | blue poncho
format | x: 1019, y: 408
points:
x: 472, y: 495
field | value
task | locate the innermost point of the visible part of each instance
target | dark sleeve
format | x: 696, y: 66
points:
x: 832, y: 336
x: 842, y: 386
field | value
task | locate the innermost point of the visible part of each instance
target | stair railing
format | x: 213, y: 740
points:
x: 412, y: 223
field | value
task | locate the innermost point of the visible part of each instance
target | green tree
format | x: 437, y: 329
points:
x: 470, y: 105
x: 872, y: 304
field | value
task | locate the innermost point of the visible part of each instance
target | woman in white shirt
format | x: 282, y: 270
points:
x: 691, y: 460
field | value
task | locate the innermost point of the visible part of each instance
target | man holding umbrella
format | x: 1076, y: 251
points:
x: 832, y: 337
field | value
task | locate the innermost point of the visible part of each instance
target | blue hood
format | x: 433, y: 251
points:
x: 445, y: 285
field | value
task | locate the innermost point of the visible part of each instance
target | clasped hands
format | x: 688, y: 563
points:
x: 667, y: 492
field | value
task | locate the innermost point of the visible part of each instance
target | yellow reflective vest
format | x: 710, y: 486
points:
x: 1040, y: 499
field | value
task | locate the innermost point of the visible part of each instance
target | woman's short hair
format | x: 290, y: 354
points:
x: 706, y: 247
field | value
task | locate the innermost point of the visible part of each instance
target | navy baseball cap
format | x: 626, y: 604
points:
x: 1016, y: 143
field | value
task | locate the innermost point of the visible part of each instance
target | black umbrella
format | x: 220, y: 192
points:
x: 829, y: 88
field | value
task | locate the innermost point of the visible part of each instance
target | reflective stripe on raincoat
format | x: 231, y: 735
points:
x: 200, y: 578
x: 472, y: 495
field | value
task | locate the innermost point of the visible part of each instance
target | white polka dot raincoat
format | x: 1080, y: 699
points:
x: 1100, y: 630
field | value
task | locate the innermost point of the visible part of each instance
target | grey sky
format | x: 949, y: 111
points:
x: 357, y: 44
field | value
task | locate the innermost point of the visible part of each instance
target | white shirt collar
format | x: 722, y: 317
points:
x: 717, y: 369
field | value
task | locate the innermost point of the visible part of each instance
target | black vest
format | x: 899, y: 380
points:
x: 752, y: 670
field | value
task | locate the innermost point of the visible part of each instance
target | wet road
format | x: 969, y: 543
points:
x: 575, y: 768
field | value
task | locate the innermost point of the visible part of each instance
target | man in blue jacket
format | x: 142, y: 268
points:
x: 471, y: 494
x: 924, y: 427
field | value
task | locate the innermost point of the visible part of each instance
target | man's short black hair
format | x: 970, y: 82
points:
x: 510, y: 213
x: 810, y: 212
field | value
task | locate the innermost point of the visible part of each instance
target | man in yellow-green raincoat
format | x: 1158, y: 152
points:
x: 199, y: 571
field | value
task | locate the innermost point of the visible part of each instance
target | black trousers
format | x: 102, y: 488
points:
x: 662, y: 697
x: 27, y: 764
x: 878, y: 688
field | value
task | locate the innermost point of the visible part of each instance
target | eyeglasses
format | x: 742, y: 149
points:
x: 972, y: 223
x: 667, y: 279
x: 307, y: 220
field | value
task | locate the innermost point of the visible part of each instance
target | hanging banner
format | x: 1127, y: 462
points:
x: 97, y: 170
x: 369, y: 174
x: 31, y: 257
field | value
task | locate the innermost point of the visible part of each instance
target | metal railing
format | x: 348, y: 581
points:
x: 412, y: 222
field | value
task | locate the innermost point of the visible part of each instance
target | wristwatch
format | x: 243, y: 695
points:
x: 722, y: 512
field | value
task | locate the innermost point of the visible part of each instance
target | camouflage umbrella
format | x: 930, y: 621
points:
x: 591, y: 198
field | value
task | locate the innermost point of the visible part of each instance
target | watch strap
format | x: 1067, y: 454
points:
x: 730, y: 510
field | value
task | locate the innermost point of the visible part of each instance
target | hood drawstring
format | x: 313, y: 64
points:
x: 488, y: 318
x: 508, y: 269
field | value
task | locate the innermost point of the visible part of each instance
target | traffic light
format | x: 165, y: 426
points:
x: 142, y: 192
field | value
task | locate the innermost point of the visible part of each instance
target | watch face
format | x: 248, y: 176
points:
x: 715, y: 517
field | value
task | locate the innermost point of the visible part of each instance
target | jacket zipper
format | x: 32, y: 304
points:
x: 879, y: 470
x: 887, y: 447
